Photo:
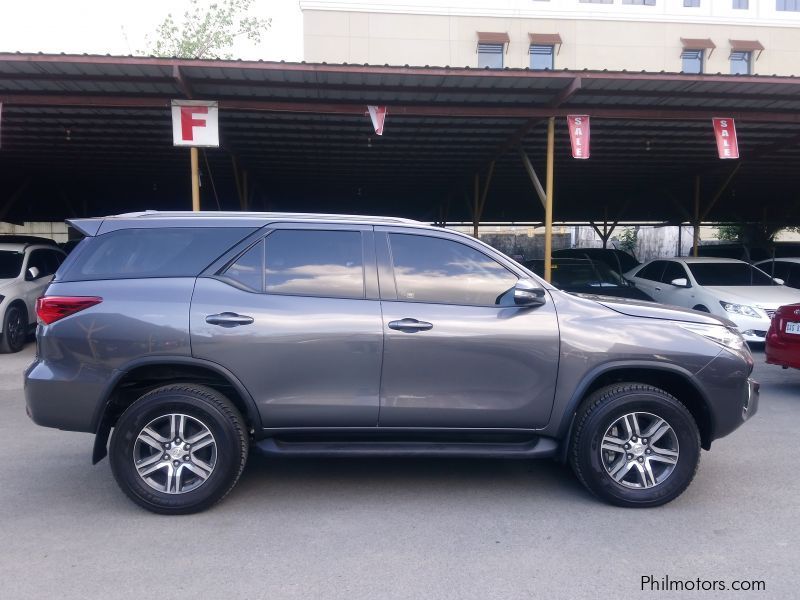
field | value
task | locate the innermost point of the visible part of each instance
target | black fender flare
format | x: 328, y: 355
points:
x: 102, y: 427
x: 564, y: 431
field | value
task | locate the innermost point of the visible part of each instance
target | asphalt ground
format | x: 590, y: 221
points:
x: 398, y: 528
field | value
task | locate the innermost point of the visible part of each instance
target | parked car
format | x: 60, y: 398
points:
x: 618, y: 260
x: 198, y: 337
x: 785, y: 269
x: 584, y: 276
x: 783, y: 337
x: 25, y: 271
x: 725, y: 287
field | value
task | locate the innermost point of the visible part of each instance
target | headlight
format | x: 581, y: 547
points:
x: 740, y: 309
x: 720, y: 334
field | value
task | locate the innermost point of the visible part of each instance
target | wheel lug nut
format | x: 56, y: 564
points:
x: 627, y: 446
x: 176, y: 463
x: 177, y: 440
x: 641, y: 459
x: 186, y: 446
x: 647, y: 451
x: 186, y: 457
x: 167, y: 446
x: 166, y: 457
x: 630, y: 456
x: 633, y: 439
x: 644, y: 440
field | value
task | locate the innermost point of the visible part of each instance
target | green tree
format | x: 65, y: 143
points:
x: 628, y: 240
x: 207, y: 31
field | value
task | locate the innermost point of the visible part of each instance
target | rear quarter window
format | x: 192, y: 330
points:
x: 156, y: 252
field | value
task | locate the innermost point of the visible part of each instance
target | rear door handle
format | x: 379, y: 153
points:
x: 658, y: 289
x: 410, y: 325
x: 228, y: 319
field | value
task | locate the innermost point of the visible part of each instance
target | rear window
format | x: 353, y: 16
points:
x: 157, y: 252
x: 736, y: 274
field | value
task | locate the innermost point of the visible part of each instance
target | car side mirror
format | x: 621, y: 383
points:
x: 32, y: 274
x: 778, y: 280
x: 528, y: 293
x: 680, y: 282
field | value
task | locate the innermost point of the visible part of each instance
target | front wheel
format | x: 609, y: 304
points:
x: 15, y: 330
x: 635, y: 445
x: 179, y: 449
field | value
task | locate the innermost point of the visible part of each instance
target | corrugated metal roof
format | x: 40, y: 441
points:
x: 96, y: 124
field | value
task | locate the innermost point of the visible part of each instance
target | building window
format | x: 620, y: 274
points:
x: 541, y: 57
x: 640, y: 2
x: 490, y: 55
x: 691, y: 3
x: 692, y: 61
x: 741, y: 63
x: 741, y: 4
x: 789, y: 5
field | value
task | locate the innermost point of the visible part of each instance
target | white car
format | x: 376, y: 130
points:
x: 724, y: 287
x: 25, y: 271
x: 787, y: 269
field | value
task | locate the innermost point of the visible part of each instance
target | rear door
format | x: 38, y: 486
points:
x: 296, y: 317
x: 458, y: 353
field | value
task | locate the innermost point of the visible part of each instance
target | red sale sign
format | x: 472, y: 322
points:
x: 195, y: 123
x: 378, y: 116
x: 579, y: 135
x: 725, y: 130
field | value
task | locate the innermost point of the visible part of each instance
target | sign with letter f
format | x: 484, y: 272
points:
x: 195, y: 123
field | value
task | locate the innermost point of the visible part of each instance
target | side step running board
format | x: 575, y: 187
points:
x: 537, y: 448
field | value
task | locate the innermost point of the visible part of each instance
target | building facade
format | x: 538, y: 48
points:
x: 694, y: 36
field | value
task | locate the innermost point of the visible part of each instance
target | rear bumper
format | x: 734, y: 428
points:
x: 779, y: 352
x: 62, y: 401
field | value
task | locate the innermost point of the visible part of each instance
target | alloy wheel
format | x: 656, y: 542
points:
x: 639, y: 450
x: 175, y: 453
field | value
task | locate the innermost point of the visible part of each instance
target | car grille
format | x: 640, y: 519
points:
x: 770, y: 312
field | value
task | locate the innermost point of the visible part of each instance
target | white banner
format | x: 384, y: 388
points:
x: 195, y: 123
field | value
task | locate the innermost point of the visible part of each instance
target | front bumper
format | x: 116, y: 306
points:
x: 732, y: 396
x: 752, y: 329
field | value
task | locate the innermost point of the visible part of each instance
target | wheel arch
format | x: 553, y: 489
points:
x: 673, y: 379
x: 138, y: 377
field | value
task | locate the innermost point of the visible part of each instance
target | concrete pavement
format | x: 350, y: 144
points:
x: 397, y: 528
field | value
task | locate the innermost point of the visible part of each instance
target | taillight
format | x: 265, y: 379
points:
x: 50, y: 309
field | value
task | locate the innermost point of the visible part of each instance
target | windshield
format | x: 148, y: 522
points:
x: 577, y: 273
x: 10, y: 264
x: 728, y: 274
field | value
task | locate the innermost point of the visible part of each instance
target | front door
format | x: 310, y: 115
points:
x: 458, y: 353
x: 297, y: 318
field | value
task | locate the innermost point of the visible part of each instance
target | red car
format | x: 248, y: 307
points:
x: 783, y: 338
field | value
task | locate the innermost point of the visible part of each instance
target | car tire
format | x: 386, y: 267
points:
x: 15, y: 329
x: 184, y: 477
x: 615, y: 459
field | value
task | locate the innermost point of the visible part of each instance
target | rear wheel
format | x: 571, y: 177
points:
x: 635, y: 445
x: 179, y: 449
x: 15, y: 329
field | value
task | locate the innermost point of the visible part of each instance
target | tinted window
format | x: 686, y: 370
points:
x: 248, y: 269
x: 673, y: 271
x: 10, y: 263
x: 157, y: 252
x: 315, y: 263
x: 729, y: 274
x: 776, y: 268
x: 652, y: 271
x: 429, y: 269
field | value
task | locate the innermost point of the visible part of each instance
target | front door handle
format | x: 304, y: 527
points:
x: 658, y: 289
x: 228, y: 319
x: 410, y: 325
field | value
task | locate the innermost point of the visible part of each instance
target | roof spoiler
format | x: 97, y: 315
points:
x: 88, y: 227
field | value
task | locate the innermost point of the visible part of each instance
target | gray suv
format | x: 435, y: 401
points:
x: 197, y: 338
